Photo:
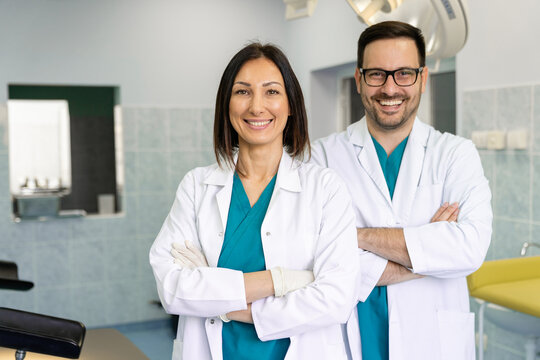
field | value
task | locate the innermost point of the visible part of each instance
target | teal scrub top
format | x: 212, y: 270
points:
x: 373, y: 313
x: 242, y: 250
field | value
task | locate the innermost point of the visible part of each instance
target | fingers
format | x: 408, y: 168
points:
x: 178, y: 253
x: 454, y: 216
x: 447, y: 212
x: 201, y: 259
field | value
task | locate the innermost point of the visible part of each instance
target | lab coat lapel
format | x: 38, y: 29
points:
x: 410, y: 171
x: 288, y: 180
x: 221, y: 177
x: 360, y: 136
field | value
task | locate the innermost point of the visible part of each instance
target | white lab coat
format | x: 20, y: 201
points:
x: 429, y: 318
x: 309, y: 225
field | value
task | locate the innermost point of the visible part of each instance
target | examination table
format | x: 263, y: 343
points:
x: 28, y: 336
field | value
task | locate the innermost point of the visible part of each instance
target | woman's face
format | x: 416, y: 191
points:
x: 259, y: 107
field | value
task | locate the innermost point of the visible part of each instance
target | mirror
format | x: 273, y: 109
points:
x: 64, y: 154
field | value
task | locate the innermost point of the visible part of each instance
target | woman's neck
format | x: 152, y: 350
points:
x: 258, y: 163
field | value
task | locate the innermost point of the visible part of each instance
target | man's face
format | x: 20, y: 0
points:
x: 390, y: 107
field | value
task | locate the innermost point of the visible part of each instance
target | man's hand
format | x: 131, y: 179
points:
x: 446, y: 212
x: 241, y: 315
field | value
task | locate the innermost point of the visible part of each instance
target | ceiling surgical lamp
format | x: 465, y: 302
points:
x: 443, y: 22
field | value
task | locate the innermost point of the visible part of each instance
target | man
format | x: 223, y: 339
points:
x: 408, y: 182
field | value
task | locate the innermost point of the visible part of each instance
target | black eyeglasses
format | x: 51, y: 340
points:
x: 402, y: 76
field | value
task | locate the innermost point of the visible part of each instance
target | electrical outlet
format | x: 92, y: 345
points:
x: 496, y: 140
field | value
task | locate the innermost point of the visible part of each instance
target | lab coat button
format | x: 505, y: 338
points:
x: 212, y: 321
x: 268, y: 233
x: 221, y: 233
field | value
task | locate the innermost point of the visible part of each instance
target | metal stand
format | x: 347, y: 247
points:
x: 20, y: 354
x: 530, y: 348
x: 481, y: 331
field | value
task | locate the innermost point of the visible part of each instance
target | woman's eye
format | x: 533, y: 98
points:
x: 241, y: 92
x: 273, y: 92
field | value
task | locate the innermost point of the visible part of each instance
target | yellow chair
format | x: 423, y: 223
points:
x: 509, y: 293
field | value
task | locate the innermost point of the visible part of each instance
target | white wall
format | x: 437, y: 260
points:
x: 502, y: 48
x: 160, y: 52
x: 325, y: 40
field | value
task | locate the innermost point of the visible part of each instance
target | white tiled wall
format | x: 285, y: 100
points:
x: 514, y: 177
x: 96, y: 270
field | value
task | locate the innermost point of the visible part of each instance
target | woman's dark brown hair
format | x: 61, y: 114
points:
x: 295, y: 134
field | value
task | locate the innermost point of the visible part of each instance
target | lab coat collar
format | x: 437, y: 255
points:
x: 287, y: 176
x: 411, y: 164
x: 359, y: 134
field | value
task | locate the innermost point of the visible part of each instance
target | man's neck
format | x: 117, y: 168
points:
x: 390, y: 139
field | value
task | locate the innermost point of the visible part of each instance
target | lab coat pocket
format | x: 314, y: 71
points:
x: 427, y: 200
x: 395, y: 337
x: 456, y: 335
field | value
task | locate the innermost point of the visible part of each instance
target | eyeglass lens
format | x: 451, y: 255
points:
x: 402, y: 77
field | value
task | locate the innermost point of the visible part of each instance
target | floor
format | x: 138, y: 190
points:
x: 154, y: 338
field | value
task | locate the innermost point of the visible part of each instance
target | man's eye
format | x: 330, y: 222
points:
x: 375, y: 74
x: 405, y: 73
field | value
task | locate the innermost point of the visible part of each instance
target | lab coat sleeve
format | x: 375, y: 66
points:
x: 203, y: 291
x: 371, y: 265
x: 330, y: 298
x: 450, y: 250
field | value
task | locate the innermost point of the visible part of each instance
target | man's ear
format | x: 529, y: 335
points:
x: 357, y: 78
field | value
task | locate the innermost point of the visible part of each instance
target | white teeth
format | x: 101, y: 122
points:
x: 390, y: 102
x: 259, y: 123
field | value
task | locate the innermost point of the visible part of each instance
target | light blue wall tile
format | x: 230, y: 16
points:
x: 152, y: 213
x: 52, y: 261
x: 147, y: 308
x: 88, y: 229
x: 143, y: 251
x: 19, y: 300
x: 131, y: 164
x: 478, y: 111
x: 22, y: 254
x: 153, y: 172
x: 120, y: 259
x: 508, y: 237
x: 535, y: 237
x: 120, y: 227
x: 123, y: 302
x: 4, y: 173
x: 536, y: 188
x: 184, y: 129
x: 89, y: 304
x: 207, y: 129
x: 536, y: 119
x: 130, y: 129
x: 207, y: 157
x: 511, y: 193
x: 3, y: 129
x: 54, y: 302
x: 54, y: 230
x: 510, y: 345
x: 489, y: 163
x: 87, y: 262
x: 152, y: 129
x: 514, y: 108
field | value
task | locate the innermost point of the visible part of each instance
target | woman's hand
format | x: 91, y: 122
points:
x: 188, y: 256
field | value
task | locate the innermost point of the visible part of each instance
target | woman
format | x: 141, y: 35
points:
x: 259, y: 208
